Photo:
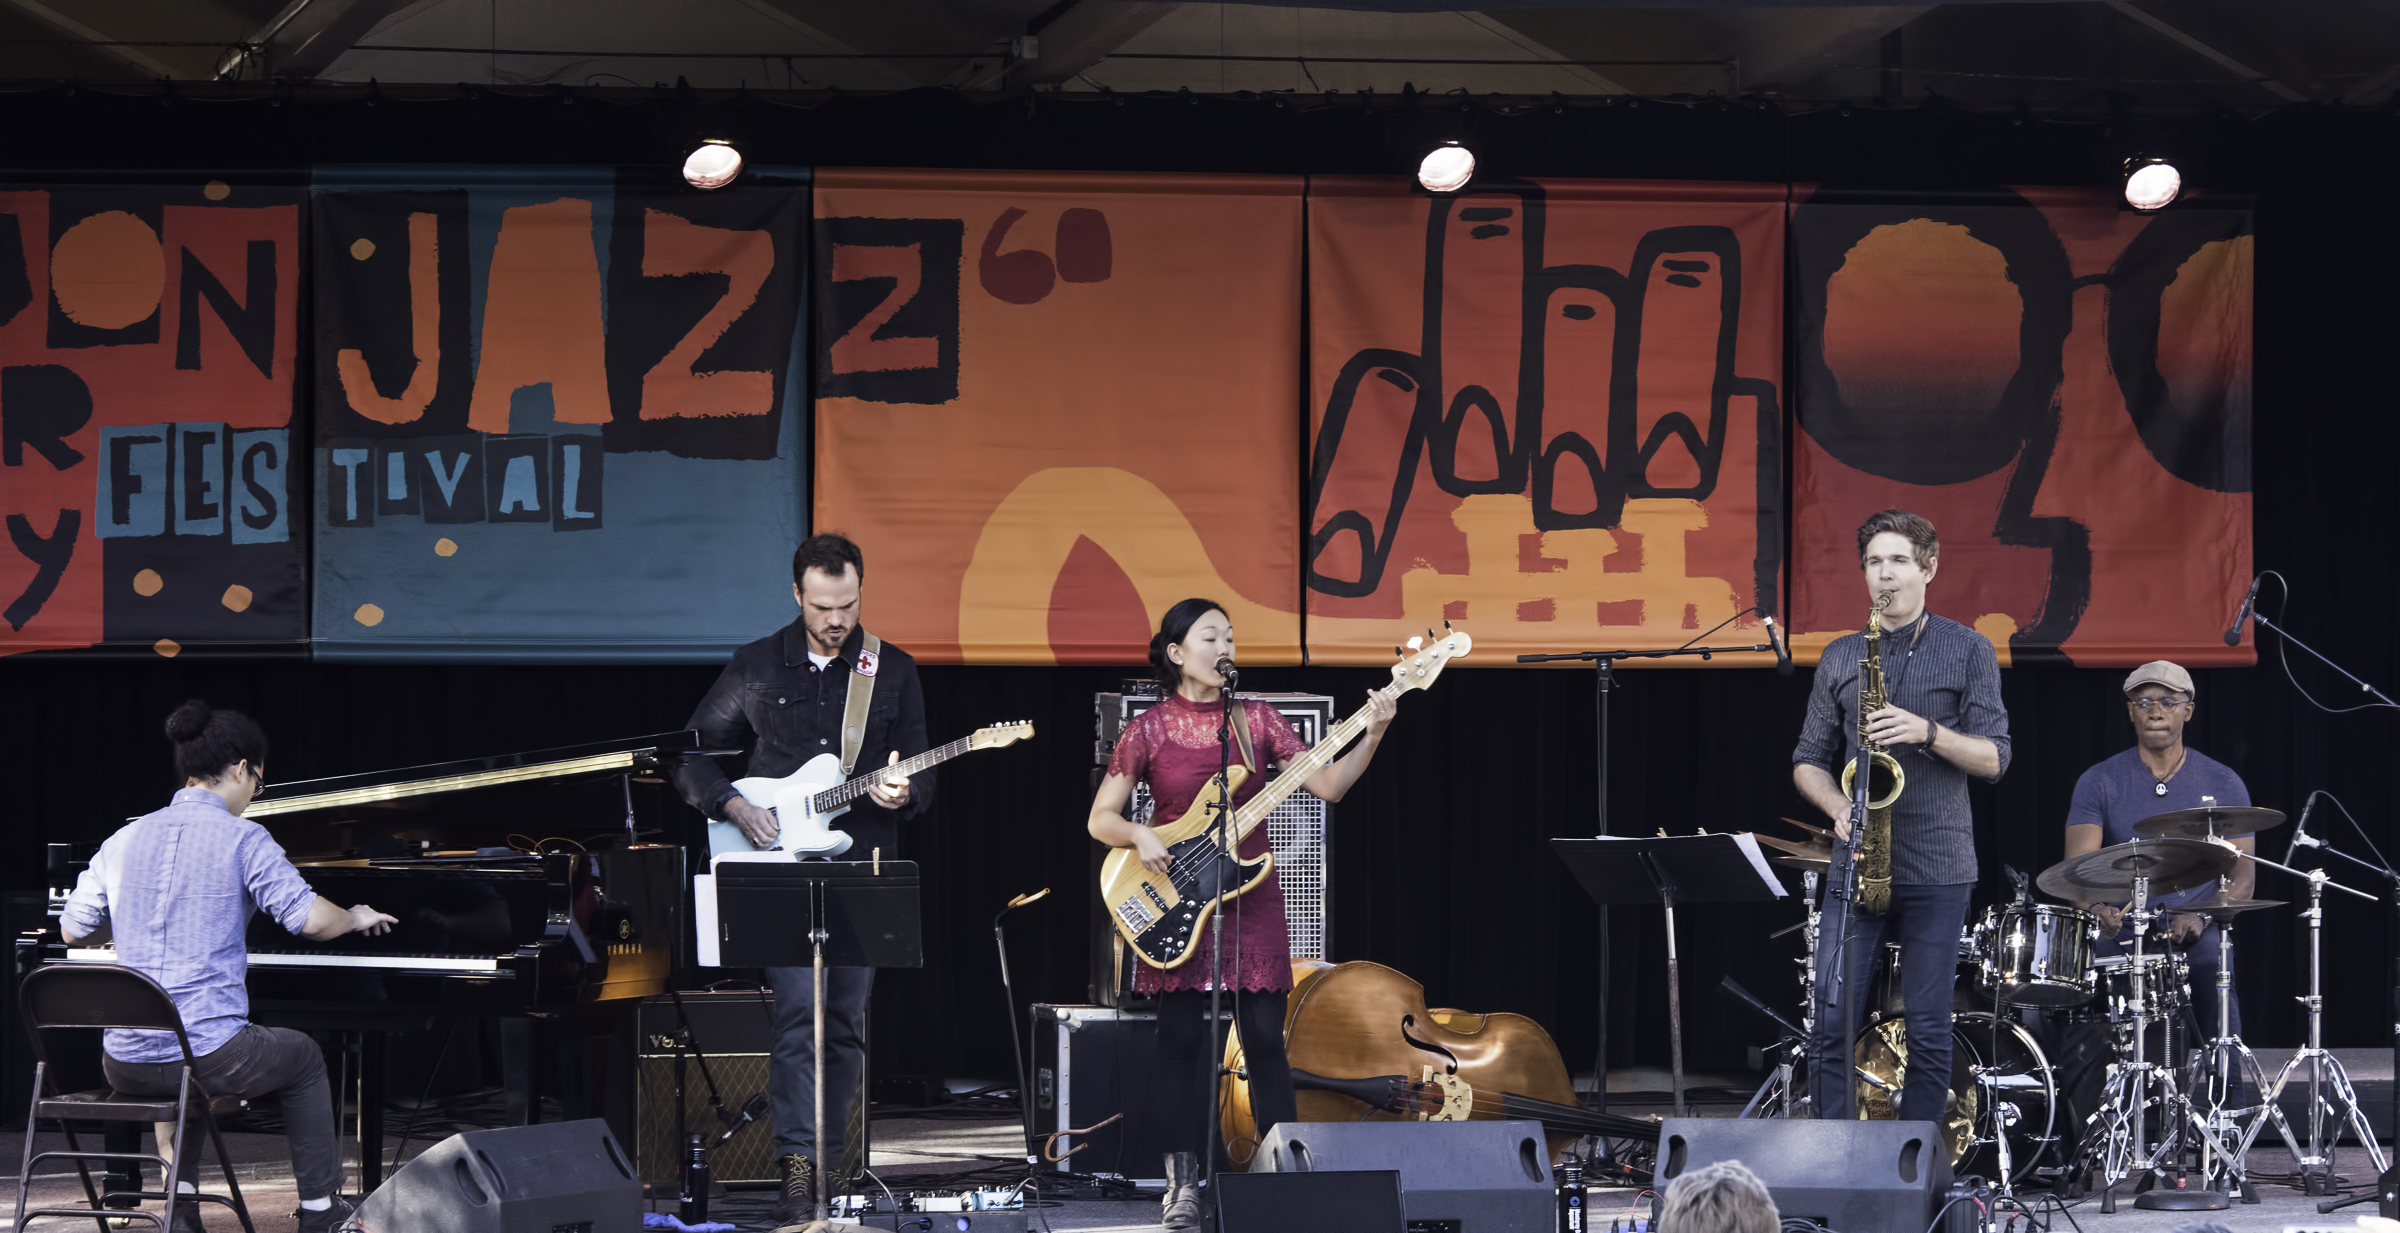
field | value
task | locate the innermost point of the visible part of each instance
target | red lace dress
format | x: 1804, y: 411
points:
x: 1173, y: 748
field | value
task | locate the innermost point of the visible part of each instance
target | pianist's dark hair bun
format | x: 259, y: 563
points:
x: 1173, y: 628
x: 208, y: 740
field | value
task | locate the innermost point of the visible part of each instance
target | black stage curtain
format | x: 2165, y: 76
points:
x: 1440, y: 866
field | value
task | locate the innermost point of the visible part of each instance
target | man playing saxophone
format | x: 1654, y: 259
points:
x: 1941, y: 721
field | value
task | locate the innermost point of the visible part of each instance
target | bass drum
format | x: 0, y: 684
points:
x: 2001, y: 1084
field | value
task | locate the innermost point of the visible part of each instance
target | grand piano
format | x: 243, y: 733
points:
x: 524, y: 892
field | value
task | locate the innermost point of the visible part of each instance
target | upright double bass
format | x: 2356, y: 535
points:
x: 1364, y: 1046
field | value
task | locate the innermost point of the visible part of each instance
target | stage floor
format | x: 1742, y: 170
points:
x: 912, y: 1152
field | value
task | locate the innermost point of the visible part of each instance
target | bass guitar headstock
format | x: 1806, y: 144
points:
x: 998, y: 735
x: 1424, y: 657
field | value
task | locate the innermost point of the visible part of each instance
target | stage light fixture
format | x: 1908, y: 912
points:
x: 712, y: 163
x: 1446, y: 168
x: 2151, y: 184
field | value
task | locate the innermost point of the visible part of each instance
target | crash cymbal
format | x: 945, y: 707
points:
x: 1811, y: 849
x: 2222, y: 906
x: 2170, y: 864
x: 2204, y: 823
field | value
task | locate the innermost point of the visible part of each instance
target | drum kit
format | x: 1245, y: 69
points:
x: 2175, y: 1116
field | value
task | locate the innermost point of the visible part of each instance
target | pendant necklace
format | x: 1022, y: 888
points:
x: 2172, y: 772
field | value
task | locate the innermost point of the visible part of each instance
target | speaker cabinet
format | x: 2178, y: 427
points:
x: 559, y: 1177
x: 1455, y: 1177
x: 1858, y: 1177
x: 1364, y: 1201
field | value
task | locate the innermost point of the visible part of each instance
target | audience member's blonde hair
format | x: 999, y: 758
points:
x: 1725, y: 1197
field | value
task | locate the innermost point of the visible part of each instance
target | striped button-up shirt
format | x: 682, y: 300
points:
x: 1947, y: 674
x: 176, y: 889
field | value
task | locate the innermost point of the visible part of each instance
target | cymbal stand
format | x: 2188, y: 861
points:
x: 2324, y: 1069
x: 2227, y: 1058
x: 2124, y: 1147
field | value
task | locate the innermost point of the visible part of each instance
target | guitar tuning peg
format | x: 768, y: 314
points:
x: 1399, y: 650
x: 1416, y: 643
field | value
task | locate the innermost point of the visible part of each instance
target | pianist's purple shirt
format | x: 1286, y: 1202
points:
x: 176, y: 889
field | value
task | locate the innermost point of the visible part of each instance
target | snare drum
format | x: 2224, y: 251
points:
x: 2039, y: 954
x: 2168, y: 986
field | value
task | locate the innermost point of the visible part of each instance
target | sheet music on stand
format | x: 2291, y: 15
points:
x: 1671, y: 870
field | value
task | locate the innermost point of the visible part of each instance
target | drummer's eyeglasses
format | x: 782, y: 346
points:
x: 2150, y: 705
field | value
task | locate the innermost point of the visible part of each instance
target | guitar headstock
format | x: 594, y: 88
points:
x: 1423, y: 658
x: 1001, y: 734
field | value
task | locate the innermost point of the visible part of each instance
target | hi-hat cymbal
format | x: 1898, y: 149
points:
x: 1814, y: 854
x: 2170, y: 864
x: 2206, y: 822
x: 2221, y: 906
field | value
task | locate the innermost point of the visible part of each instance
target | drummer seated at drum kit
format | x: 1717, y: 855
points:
x: 2160, y: 774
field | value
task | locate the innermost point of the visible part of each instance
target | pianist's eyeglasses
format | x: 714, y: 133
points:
x: 258, y: 780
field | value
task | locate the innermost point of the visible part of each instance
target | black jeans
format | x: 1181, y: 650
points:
x: 1184, y: 1086
x: 791, y: 1069
x: 257, y: 1062
x: 1925, y: 920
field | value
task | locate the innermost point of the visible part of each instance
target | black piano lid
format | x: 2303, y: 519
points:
x: 629, y: 754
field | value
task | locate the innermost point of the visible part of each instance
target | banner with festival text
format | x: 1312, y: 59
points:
x: 1549, y: 411
x: 2060, y: 384
x: 1050, y: 405
x: 558, y: 414
x: 147, y: 338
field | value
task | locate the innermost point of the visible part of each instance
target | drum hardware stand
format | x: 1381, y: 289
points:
x: 2228, y: 1057
x: 2316, y: 1165
x: 2123, y: 1147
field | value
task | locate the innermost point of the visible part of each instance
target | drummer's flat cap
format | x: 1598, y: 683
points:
x: 2162, y: 672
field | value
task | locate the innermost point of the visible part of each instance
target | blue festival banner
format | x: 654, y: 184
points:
x: 559, y: 413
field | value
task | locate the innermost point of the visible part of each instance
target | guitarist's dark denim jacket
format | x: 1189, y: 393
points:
x: 772, y: 702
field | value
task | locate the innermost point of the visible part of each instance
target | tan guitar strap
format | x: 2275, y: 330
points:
x: 1241, y: 732
x: 854, y: 708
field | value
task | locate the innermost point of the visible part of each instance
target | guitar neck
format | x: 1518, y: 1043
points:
x: 1296, y: 772
x: 834, y: 798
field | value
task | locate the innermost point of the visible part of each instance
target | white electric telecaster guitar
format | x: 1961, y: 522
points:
x: 807, y: 799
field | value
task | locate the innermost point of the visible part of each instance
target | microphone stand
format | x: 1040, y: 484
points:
x: 1604, y: 664
x: 1223, y: 842
x: 2378, y: 695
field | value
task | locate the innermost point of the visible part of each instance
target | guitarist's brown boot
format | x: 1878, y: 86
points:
x: 1180, y: 1209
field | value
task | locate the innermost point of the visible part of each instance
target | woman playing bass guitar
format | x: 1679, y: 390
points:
x: 1173, y: 747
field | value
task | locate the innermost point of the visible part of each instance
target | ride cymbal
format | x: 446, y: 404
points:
x: 2209, y: 822
x: 2170, y: 864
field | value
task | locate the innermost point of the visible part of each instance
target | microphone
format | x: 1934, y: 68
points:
x: 2300, y: 836
x: 752, y: 1110
x: 1225, y: 668
x: 1783, y: 648
x: 2241, y: 615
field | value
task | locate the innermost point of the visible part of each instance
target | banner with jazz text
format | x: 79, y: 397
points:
x: 1050, y: 405
x: 2061, y: 385
x: 1547, y: 410
x: 558, y: 414
x: 146, y: 428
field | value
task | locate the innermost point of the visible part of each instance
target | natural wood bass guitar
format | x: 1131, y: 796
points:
x: 1161, y: 915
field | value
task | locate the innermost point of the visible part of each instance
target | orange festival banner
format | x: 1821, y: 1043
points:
x: 2060, y: 384
x: 1050, y: 405
x: 1547, y: 410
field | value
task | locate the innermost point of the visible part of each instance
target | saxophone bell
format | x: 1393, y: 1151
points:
x: 1885, y: 780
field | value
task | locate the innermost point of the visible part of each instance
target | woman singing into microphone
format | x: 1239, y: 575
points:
x: 1173, y: 747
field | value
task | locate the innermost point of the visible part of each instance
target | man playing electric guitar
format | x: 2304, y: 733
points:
x: 820, y: 685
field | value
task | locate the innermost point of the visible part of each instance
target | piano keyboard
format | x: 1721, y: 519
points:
x: 412, y: 963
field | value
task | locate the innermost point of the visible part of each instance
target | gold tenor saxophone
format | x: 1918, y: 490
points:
x: 1884, y: 777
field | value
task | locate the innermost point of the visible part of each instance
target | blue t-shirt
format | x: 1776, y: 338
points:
x: 2121, y: 791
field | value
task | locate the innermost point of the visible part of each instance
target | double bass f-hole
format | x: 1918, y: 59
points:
x: 1449, y: 1059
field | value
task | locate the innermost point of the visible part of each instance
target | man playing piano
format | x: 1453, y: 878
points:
x: 175, y: 890
x: 783, y: 699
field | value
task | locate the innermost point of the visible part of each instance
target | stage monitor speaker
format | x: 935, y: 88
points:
x: 1857, y: 1177
x: 1356, y: 1201
x: 558, y: 1177
x: 1455, y: 1177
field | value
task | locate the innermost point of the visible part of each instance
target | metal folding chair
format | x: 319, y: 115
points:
x: 106, y: 996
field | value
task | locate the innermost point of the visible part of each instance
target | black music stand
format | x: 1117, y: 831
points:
x: 785, y: 913
x: 1670, y: 870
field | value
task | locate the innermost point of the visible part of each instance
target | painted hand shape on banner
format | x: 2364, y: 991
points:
x: 120, y: 308
x: 1562, y: 429
x: 2061, y: 386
